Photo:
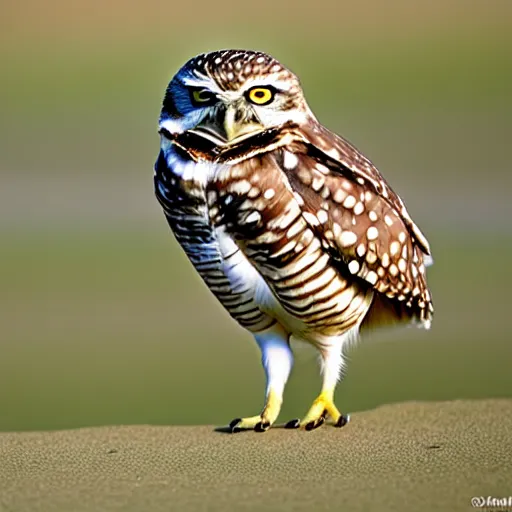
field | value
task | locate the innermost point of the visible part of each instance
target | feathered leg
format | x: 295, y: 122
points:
x: 323, y: 406
x: 277, y: 360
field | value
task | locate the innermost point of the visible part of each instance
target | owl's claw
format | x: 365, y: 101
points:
x: 322, y: 407
x: 263, y: 421
x: 318, y: 422
x: 233, y: 426
x: 342, y: 420
x: 293, y: 424
x: 262, y: 426
x: 310, y: 425
x: 256, y: 423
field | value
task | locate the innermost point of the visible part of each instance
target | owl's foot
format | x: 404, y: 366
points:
x: 263, y: 421
x: 256, y: 423
x: 322, y: 407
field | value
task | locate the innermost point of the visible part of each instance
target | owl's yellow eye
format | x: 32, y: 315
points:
x: 202, y: 96
x: 260, y: 95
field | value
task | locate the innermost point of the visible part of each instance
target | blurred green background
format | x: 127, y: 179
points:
x: 103, y: 320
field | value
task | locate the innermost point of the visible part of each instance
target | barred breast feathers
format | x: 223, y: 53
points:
x: 345, y: 207
x: 180, y: 189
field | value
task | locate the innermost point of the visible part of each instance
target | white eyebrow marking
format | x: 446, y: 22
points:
x: 271, y: 79
x: 202, y: 81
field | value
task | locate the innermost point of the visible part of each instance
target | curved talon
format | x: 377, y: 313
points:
x: 315, y: 424
x: 263, y: 421
x: 342, y: 420
x: 293, y: 424
x: 262, y: 426
x: 233, y: 426
x: 256, y: 423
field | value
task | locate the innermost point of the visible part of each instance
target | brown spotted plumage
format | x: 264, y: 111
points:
x: 307, y: 236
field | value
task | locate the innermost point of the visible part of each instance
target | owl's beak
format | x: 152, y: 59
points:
x: 228, y: 128
x: 236, y: 127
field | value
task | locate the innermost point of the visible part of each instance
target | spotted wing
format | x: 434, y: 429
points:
x: 360, y: 219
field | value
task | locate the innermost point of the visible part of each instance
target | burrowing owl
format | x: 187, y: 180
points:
x: 295, y: 232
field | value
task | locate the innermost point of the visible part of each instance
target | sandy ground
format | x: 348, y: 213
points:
x: 411, y: 456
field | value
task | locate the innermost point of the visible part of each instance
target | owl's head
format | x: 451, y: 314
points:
x: 232, y: 94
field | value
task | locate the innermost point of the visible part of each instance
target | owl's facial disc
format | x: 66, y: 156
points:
x: 236, y: 115
x: 231, y: 95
